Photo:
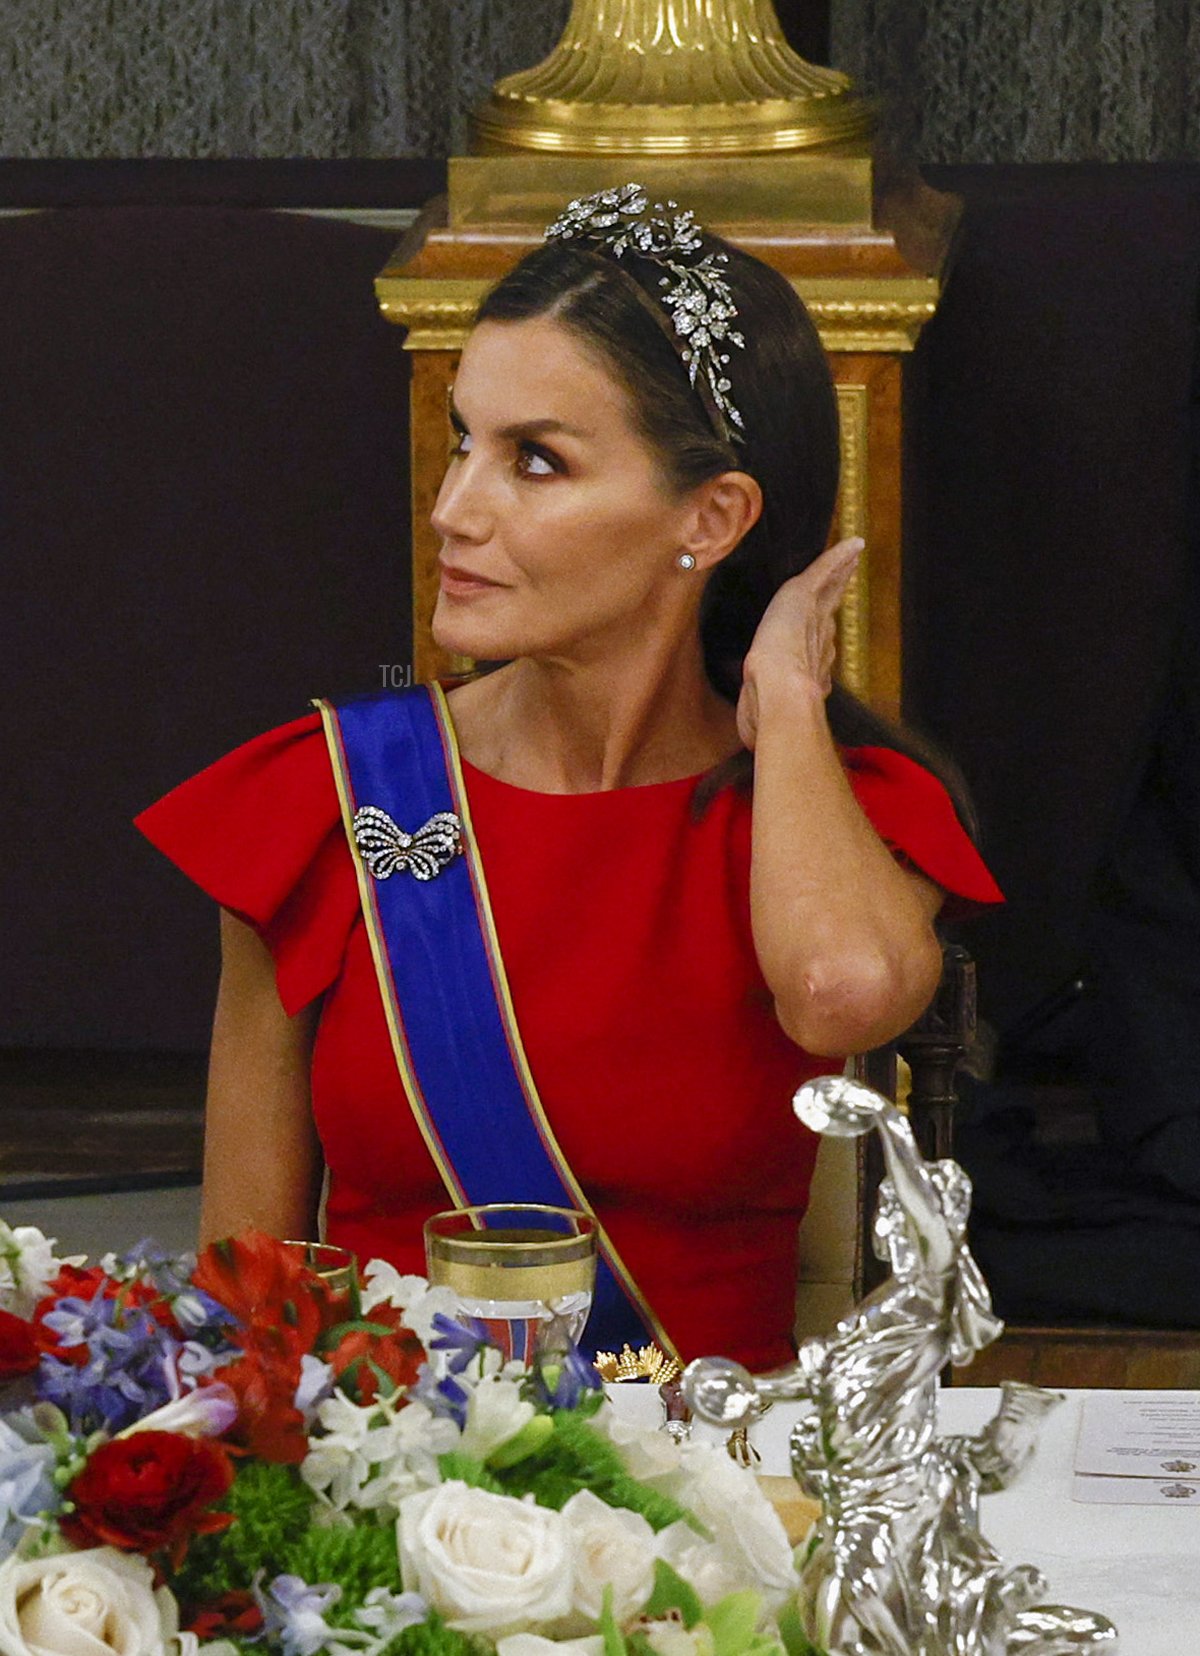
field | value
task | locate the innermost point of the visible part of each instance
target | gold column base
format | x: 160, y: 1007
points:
x: 514, y: 125
x: 640, y: 78
x: 814, y: 188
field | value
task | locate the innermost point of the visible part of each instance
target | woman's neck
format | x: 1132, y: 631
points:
x: 559, y: 726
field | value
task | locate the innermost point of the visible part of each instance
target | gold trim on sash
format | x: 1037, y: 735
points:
x: 391, y: 1011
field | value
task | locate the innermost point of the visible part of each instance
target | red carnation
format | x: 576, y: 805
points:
x: 19, y: 1348
x: 148, y: 1491
x: 380, y: 1344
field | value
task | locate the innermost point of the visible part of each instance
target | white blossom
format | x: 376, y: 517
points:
x: 27, y: 1267
x: 371, y: 1455
x: 496, y: 1412
x: 383, y: 1284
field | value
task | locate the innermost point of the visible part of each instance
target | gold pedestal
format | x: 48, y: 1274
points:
x: 816, y: 187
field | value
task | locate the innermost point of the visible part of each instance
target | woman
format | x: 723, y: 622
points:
x: 632, y: 523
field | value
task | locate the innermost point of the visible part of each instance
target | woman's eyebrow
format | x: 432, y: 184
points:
x: 528, y: 428
x: 543, y: 428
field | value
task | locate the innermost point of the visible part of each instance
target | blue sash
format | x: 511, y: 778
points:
x: 444, y: 990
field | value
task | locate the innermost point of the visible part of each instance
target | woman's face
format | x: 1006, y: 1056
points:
x: 559, y: 534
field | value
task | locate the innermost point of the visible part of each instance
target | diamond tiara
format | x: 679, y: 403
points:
x: 698, y: 300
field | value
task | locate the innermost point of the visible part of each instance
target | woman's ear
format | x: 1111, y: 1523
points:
x: 724, y: 510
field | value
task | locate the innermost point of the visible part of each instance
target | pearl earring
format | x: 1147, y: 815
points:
x: 686, y: 561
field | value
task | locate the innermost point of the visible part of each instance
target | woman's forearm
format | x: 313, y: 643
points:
x: 262, y: 1161
x: 843, y: 934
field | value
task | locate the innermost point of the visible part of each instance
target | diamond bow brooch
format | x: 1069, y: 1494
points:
x: 386, y: 848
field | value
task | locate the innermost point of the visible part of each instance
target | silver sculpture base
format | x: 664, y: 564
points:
x: 896, y: 1565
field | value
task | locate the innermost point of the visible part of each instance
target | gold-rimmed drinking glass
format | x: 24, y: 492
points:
x: 336, y: 1267
x: 513, y: 1266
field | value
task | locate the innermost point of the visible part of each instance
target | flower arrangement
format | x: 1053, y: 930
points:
x: 226, y: 1457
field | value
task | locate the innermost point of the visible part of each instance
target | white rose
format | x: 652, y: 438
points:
x: 610, y: 1547
x: 534, y: 1644
x: 745, y: 1527
x: 488, y: 1563
x: 100, y: 1602
x: 647, y: 1453
x: 495, y: 1413
x: 704, y: 1565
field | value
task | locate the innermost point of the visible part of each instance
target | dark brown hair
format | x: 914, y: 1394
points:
x: 782, y: 387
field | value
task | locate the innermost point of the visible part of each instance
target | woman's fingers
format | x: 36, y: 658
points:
x: 799, y: 626
x: 835, y: 569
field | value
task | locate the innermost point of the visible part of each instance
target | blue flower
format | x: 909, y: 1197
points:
x: 199, y: 1313
x: 317, y: 1381
x: 562, y: 1377
x: 466, y: 1337
x: 293, y: 1614
x: 130, y: 1367
x: 444, y: 1398
x: 171, y: 1274
x: 387, y: 1614
x: 27, y: 1487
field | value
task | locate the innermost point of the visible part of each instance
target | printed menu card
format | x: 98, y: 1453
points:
x: 1142, y: 1451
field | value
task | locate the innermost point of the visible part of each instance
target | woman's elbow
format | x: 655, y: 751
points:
x: 854, y: 1003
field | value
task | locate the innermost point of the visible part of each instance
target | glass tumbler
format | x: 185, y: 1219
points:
x: 515, y: 1266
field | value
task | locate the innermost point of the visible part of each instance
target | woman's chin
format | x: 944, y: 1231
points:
x: 450, y: 634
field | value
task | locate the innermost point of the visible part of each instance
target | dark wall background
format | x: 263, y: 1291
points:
x: 204, y: 513
x: 1050, y: 451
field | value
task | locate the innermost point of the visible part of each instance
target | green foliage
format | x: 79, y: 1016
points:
x: 466, y: 1470
x: 577, y: 1457
x: 672, y: 1592
x: 795, y: 1641
x: 732, y: 1622
x: 356, y: 1559
x: 272, y: 1510
x: 273, y: 1533
x: 434, y: 1638
x: 530, y: 1440
x: 614, y: 1643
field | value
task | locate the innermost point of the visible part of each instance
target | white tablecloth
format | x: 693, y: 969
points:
x: 1139, y: 1565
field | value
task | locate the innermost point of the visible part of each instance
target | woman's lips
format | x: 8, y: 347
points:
x: 459, y: 583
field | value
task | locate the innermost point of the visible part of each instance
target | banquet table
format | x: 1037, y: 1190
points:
x: 1138, y: 1565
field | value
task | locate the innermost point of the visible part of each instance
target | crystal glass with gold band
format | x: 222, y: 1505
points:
x: 337, y: 1267
x: 513, y: 1267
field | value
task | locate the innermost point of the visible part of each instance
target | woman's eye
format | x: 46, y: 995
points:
x: 462, y: 443
x: 533, y: 463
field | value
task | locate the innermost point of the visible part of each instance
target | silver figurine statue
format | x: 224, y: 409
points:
x: 896, y: 1565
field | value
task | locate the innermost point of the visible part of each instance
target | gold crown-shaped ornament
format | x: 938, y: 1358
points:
x: 647, y: 1363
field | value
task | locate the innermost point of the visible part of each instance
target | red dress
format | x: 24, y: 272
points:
x: 625, y: 930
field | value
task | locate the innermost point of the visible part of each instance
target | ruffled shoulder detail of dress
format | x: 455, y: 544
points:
x: 261, y: 832
x: 912, y: 813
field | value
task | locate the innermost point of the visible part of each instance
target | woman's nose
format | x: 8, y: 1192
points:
x: 460, y: 511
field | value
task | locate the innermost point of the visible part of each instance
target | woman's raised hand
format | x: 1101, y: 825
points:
x: 797, y: 635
